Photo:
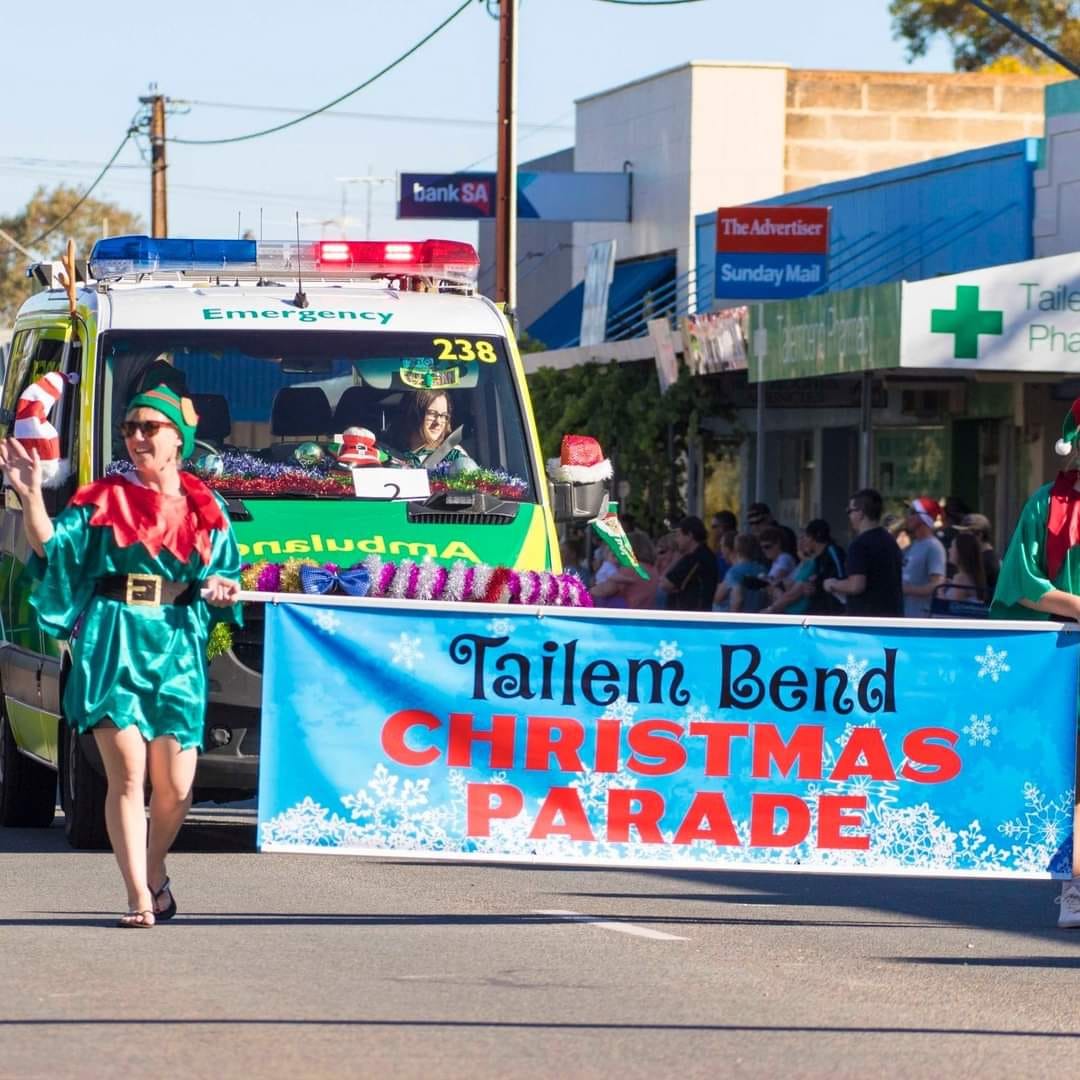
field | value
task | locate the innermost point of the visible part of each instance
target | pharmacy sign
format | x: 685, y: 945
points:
x: 1017, y: 317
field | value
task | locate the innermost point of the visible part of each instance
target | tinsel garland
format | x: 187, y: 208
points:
x: 220, y: 641
x: 410, y: 580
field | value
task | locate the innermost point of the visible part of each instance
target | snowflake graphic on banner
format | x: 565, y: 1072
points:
x: 855, y: 669
x: 992, y: 664
x: 667, y: 651
x: 979, y: 730
x: 406, y: 651
x: 390, y: 810
x: 620, y: 709
x: 696, y: 714
x: 326, y: 621
x: 309, y: 824
x: 500, y: 627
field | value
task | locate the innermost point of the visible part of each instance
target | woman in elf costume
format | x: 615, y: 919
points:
x: 1040, y: 579
x: 135, y: 571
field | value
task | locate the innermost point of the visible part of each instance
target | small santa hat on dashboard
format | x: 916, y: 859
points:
x: 580, y: 461
x: 34, y: 430
x: 1069, y: 430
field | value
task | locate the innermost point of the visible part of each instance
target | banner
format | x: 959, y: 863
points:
x: 471, y: 732
x: 714, y: 341
x: 599, y: 271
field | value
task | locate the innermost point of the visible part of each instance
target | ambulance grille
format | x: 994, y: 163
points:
x: 430, y: 518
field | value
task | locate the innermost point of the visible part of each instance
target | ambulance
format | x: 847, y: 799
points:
x: 289, y: 352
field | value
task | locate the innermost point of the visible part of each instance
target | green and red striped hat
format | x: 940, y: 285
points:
x: 1069, y: 430
x: 179, y: 410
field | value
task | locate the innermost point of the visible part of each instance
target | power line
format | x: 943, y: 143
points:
x: 345, y: 114
x: 540, y: 128
x: 86, y: 194
x: 649, y: 3
x: 330, y: 104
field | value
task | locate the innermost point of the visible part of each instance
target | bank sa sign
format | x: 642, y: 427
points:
x: 771, y: 252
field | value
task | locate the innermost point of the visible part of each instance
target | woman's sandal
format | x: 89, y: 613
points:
x: 136, y: 920
x: 167, y: 913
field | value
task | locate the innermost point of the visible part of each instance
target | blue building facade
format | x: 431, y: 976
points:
x: 945, y: 216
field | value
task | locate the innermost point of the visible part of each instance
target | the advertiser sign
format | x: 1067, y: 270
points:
x: 771, y: 252
x: 469, y: 732
x: 547, y: 196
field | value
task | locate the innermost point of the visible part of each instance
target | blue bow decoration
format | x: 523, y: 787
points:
x: 318, y: 580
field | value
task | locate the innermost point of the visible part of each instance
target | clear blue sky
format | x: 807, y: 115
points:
x: 68, y: 99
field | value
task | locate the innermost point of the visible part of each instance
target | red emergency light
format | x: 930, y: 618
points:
x: 430, y: 258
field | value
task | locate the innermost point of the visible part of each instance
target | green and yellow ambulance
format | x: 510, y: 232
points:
x: 284, y: 349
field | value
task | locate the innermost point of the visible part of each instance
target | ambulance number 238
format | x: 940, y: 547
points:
x: 464, y: 349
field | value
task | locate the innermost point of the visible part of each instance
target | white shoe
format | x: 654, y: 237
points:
x: 1069, y: 916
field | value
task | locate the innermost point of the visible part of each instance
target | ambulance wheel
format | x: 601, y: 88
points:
x: 27, y: 788
x: 82, y: 795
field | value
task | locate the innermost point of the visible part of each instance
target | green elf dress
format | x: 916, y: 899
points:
x: 1044, y: 552
x: 135, y: 664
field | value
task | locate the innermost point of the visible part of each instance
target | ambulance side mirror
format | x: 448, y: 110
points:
x: 579, y: 479
x: 577, y: 502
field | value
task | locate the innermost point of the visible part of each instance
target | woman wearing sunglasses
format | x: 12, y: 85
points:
x: 427, y: 421
x: 135, y: 571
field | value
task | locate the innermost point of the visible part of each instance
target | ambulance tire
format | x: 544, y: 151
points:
x: 27, y: 788
x: 82, y: 796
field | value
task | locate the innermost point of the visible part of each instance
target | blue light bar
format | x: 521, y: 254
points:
x: 145, y: 254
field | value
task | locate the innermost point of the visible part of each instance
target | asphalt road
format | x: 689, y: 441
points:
x: 297, y: 966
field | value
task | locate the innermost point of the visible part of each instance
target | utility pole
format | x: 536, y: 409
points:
x: 159, y: 214
x: 506, y: 174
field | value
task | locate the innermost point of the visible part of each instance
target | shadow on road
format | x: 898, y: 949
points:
x: 527, y: 1025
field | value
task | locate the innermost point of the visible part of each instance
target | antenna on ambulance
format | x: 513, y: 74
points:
x: 300, y: 299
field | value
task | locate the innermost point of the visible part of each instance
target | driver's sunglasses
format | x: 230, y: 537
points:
x: 149, y: 428
x: 436, y: 417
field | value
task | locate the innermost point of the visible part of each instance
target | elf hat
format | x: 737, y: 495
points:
x: 581, y: 461
x: 357, y: 447
x: 178, y: 410
x: 33, y: 429
x: 926, y: 509
x: 1069, y: 430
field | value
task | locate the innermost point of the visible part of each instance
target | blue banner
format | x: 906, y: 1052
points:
x: 465, y: 732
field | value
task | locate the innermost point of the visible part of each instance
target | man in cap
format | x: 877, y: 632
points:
x: 924, y: 557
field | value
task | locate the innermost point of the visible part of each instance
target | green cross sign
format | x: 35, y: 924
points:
x: 966, y: 322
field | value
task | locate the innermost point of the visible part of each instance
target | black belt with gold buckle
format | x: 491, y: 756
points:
x: 146, y: 590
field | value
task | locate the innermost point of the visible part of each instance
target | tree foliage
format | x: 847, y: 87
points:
x: 977, y: 40
x: 643, y: 432
x: 45, y: 208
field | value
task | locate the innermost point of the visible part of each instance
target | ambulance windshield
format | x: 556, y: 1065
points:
x: 290, y: 415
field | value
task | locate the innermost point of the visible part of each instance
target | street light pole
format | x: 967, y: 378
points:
x: 369, y: 182
x: 506, y: 174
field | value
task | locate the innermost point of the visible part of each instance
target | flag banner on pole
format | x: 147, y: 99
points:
x: 493, y: 733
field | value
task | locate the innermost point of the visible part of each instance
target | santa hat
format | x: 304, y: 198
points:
x: 926, y: 509
x: 33, y: 429
x: 1069, y: 430
x: 581, y: 461
x: 357, y: 448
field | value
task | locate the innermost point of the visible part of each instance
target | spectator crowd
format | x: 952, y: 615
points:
x: 916, y: 564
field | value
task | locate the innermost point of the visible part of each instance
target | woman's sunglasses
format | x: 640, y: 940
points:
x: 149, y: 428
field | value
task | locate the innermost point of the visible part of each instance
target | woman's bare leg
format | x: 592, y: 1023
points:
x: 172, y: 773
x: 123, y: 753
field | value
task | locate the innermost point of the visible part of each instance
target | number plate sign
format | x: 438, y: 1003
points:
x: 383, y: 484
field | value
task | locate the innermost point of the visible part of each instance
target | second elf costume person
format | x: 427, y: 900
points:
x: 1040, y: 578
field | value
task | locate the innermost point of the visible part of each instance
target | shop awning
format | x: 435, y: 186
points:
x: 560, y: 326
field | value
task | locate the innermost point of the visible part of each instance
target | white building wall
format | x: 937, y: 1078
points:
x: 1057, y: 188
x: 696, y: 137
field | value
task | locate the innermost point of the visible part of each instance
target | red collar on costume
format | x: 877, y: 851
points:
x: 138, y: 515
x: 1062, y: 522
